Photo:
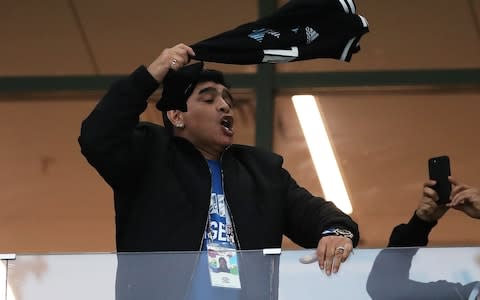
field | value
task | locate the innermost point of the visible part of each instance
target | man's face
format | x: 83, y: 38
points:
x: 209, y: 119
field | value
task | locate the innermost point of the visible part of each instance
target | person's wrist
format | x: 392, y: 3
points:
x: 429, y: 215
x: 157, y: 72
x: 423, y: 216
x: 417, y: 221
x: 338, y: 232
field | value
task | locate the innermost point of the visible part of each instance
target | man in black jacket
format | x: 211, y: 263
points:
x: 186, y: 187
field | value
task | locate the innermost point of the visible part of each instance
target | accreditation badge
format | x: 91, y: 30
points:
x: 223, y: 266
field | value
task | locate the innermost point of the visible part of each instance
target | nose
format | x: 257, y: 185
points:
x: 224, y: 106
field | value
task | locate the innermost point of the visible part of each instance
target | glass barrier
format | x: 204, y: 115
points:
x: 393, y: 273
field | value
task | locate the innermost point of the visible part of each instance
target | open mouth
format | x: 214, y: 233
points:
x: 227, y: 123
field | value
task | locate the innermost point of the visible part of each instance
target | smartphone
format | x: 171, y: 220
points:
x: 439, y: 170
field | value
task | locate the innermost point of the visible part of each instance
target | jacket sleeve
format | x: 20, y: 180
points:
x: 413, y: 234
x: 109, y: 137
x: 308, y: 216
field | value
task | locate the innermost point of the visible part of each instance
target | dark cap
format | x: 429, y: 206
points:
x: 178, y: 86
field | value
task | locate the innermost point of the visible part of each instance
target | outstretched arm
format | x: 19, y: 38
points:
x: 312, y: 222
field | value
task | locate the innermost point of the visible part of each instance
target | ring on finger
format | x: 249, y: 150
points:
x: 173, y: 63
x: 340, y: 249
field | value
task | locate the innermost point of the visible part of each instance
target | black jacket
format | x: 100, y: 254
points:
x: 162, y: 184
x: 413, y: 234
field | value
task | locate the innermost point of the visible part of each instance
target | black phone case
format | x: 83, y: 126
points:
x: 439, y: 170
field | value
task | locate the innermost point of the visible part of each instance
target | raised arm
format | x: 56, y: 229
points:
x: 110, y: 138
x: 415, y: 232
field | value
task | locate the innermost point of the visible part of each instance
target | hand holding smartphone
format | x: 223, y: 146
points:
x: 439, y: 170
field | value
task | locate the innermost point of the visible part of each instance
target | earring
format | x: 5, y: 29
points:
x: 180, y: 125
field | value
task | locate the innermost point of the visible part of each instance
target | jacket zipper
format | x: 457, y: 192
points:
x: 208, y: 210
x: 206, y: 221
x: 237, y: 240
x: 202, y: 239
x: 228, y: 208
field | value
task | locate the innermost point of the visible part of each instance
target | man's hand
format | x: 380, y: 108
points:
x: 333, y: 250
x: 465, y: 198
x: 171, y: 58
x: 428, y: 209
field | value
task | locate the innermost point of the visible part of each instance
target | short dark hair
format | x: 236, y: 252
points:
x: 205, y: 75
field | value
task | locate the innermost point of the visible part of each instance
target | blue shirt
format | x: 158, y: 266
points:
x: 220, y: 232
x: 220, y: 229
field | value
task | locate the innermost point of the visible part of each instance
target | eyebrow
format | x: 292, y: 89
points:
x: 208, y: 89
x: 225, y: 93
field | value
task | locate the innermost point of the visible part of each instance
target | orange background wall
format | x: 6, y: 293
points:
x: 51, y: 200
